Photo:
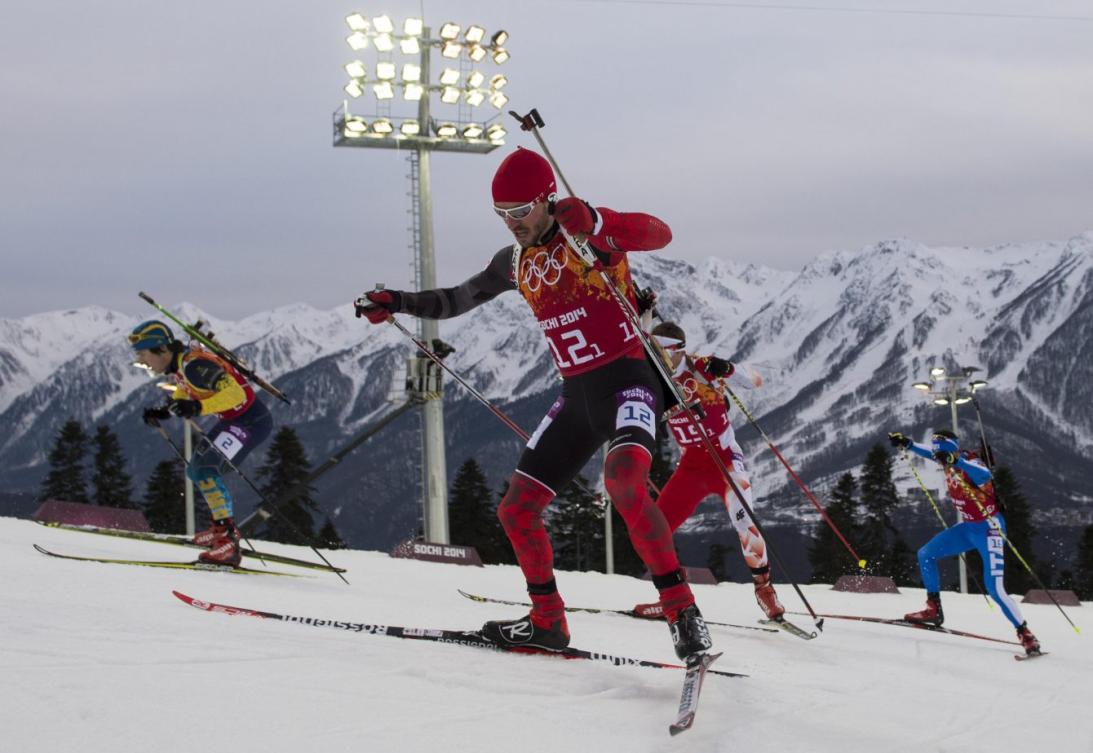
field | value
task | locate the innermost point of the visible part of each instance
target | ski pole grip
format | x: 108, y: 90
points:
x: 146, y: 297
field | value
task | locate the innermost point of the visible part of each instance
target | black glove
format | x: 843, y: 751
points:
x: 719, y: 367
x: 184, y: 408
x: 152, y: 416
x: 376, y: 305
x: 945, y: 458
x: 898, y: 440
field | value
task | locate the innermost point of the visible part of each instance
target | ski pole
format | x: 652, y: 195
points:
x: 284, y: 518
x: 532, y: 122
x: 182, y: 457
x: 973, y: 494
x: 261, y: 513
x: 830, y: 523
x: 937, y: 511
x: 479, y: 396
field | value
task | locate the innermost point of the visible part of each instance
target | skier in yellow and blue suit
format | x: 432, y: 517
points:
x: 206, y: 384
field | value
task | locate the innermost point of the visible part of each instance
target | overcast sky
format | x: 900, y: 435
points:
x: 185, y: 149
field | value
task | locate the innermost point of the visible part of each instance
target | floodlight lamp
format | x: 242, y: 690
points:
x: 924, y: 386
x: 449, y: 95
x: 475, y: 79
x: 357, y: 22
x: 451, y: 49
x: 410, y: 128
x: 358, y: 40
x: 411, y: 73
x: 449, y: 77
x: 472, y: 131
x: 413, y: 92
x: 409, y: 46
x: 449, y: 31
x: 413, y: 27
x: 941, y: 401
x: 356, y: 125
x: 354, y: 89
x: 498, y: 99
x: 474, y: 97
x: 474, y: 34
x: 385, y: 70
x: 476, y: 52
x: 498, y: 81
x: 383, y: 90
x: 382, y: 126
x: 499, y: 38
x: 978, y: 384
x: 500, y: 55
x: 384, y: 42
x: 355, y: 69
x: 446, y: 130
x: 963, y: 399
x: 383, y: 25
x: 496, y: 133
x: 937, y: 371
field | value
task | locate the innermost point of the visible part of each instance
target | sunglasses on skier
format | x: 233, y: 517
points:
x: 516, y: 213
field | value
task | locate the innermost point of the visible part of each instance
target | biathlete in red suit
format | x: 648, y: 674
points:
x: 610, y: 392
x: 702, y: 379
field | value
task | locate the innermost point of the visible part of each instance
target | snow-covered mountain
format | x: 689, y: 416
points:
x: 838, y: 343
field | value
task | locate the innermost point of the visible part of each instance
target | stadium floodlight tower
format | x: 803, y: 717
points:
x: 952, y: 390
x: 403, y: 65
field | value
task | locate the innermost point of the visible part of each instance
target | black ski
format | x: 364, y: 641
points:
x: 166, y: 538
x: 785, y: 625
x: 697, y: 668
x: 195, y: 565
x: 1033, y: 655
x: 918, y: 626
x: 594, y: 610
x: 469, y: 638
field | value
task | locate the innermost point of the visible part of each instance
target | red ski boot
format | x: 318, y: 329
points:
x: 213, y: 532
x: 768, y: 598
x: 1028, y: 640
x: 931, y: 615
x: 224, y: 549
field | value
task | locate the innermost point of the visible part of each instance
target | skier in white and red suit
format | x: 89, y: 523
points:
x: 702, y: 379
x: 610, y: 392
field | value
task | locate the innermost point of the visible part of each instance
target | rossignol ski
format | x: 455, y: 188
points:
x: 692, y: 688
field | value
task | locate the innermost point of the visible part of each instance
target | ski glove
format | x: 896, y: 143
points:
x: 152, y: 416
x: 898, y: 440
x: 577, y: 217
x: 719, y: 367
x: 945, y: 458
x: 184, y: 408
x: 377, y: 305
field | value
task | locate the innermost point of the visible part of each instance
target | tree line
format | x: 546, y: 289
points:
x: 163, y: 503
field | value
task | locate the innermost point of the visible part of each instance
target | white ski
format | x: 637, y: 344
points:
x: 692, y: 687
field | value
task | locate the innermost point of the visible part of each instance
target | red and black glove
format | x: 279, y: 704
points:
x: 184, y: 408
x: 575, y: 216
x: 377, y: 305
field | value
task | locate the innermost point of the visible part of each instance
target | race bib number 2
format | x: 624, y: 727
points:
x: 228, y: 445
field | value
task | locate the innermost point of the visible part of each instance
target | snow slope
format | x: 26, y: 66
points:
x: 103, y: 659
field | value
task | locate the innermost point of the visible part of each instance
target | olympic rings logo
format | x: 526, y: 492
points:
x: 545, y: 268
x: 690, y: 386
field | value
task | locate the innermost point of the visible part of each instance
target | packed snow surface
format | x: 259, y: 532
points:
x: 103, y: 659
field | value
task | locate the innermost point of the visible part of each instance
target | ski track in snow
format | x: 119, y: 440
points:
x: 103, y: 659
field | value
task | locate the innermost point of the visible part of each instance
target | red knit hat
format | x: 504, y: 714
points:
x: 523, y: 176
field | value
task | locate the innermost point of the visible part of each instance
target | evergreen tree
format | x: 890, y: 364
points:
x: 1019, y: 530
x: 662, y: 467
x: 500, y: 550
x: 66, y: 481
x: 1083, y: 571
x: 882, y: 546
x: 286, y: 465
x: 472, y: 516
x: 165, y: 498
x: 329, y: 538
x: 715, y: 560
x: 577, y: 529
x: 112, y: 484
x: 827, y: 555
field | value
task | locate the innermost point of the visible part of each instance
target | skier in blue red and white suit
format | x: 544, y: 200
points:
x: 206, y: 384
x: 610, y: 392
x: 971, y: 488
